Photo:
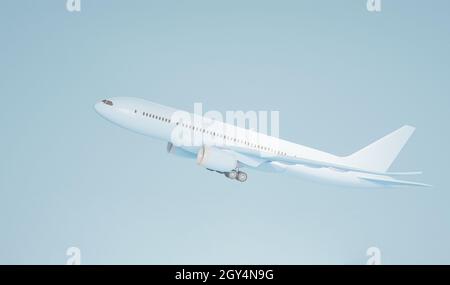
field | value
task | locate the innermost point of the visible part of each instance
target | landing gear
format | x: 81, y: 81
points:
x: 238, y: 175
x: 232, y: 174
x: 241, y: 176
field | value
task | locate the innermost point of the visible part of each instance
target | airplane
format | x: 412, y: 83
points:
x: 229, y: 148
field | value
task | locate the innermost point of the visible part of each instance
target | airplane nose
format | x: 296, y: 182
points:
x: 98, y: 107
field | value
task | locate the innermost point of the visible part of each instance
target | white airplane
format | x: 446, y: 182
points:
x: 227, y: 149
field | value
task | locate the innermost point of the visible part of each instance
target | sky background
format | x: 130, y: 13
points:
x: 339, y: 75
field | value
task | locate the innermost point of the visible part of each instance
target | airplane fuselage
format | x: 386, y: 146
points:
x: 195, y: 136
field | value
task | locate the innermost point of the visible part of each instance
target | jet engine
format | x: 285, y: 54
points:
x: 216, y: 159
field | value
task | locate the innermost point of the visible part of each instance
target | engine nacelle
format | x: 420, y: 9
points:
x: 178, y: 151
x: 216, y: 159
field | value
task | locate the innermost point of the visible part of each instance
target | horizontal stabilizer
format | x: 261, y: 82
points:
x: 386, y: 182
x: 404, y: 173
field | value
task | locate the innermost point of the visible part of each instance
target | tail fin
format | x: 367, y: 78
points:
x: 379, y: 155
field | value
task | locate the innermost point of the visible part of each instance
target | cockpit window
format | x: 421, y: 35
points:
x: 107, y: 102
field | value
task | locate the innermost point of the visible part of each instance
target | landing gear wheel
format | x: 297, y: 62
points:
x: 232, y: 174
x: 241, y: 176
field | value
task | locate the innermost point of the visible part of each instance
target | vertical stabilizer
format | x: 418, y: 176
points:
x: 379, y: 155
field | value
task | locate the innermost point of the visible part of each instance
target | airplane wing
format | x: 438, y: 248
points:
x: 255, y: 158
x: 267, y: 157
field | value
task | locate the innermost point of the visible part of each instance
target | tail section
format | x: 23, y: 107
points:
x: 379, y: 155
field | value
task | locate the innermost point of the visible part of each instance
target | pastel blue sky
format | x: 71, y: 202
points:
x: 340, y: 77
